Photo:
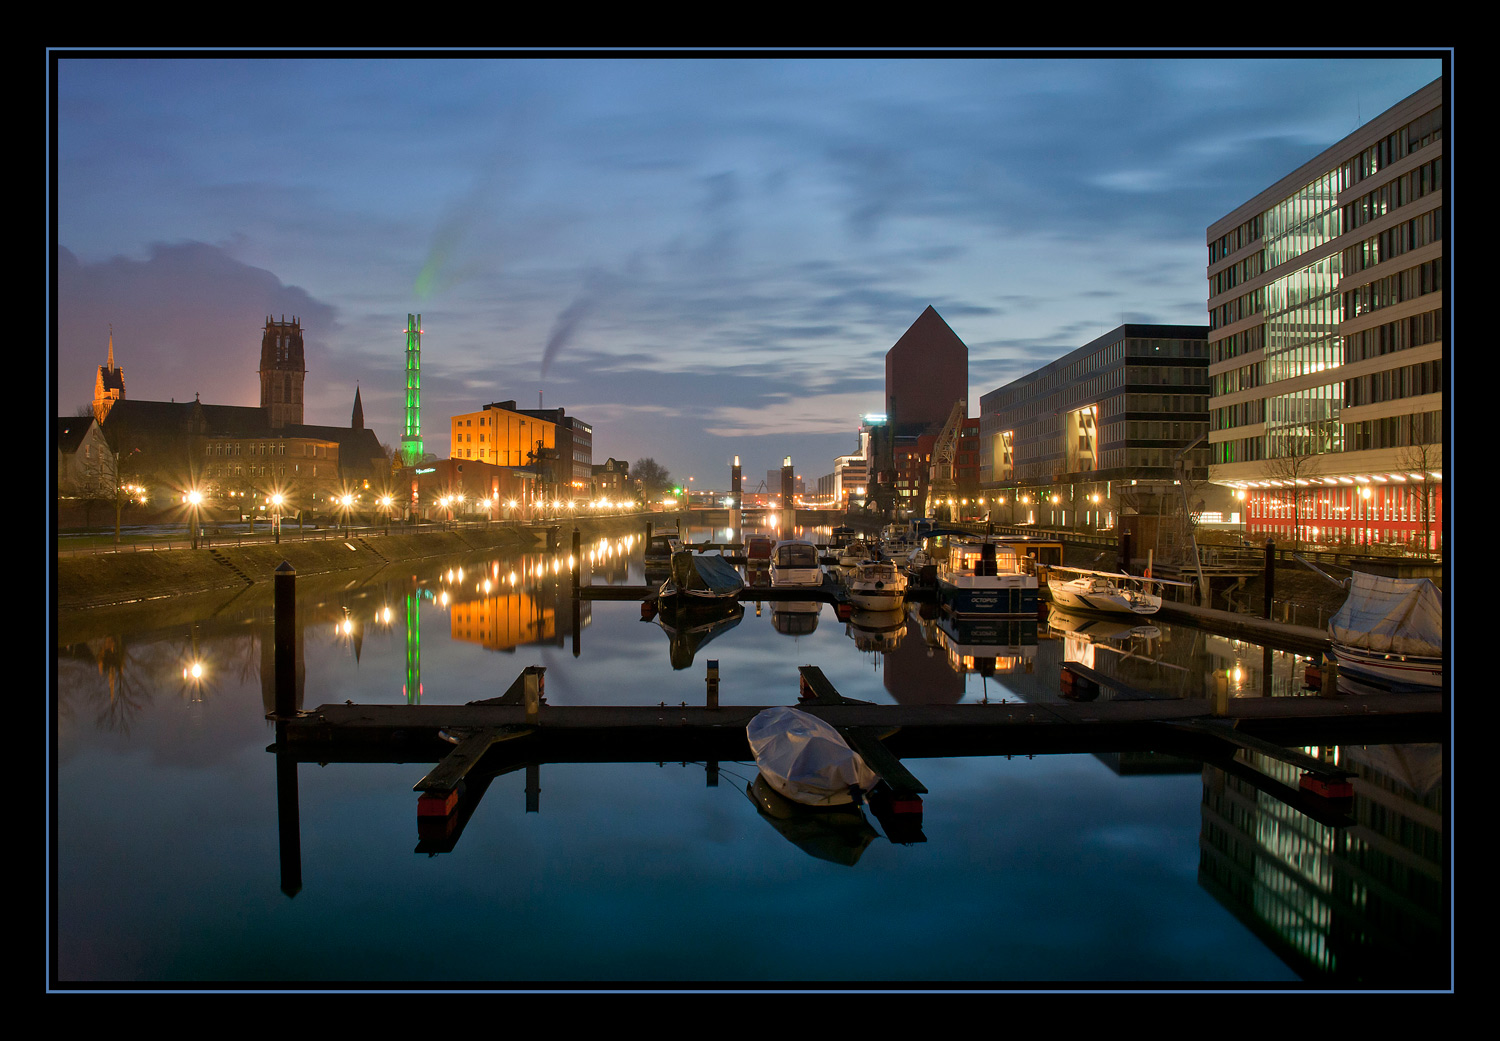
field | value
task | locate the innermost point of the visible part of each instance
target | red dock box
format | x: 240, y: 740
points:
x: 437, y: 804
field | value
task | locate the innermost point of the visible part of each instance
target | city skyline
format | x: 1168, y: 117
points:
x: 702, y: 258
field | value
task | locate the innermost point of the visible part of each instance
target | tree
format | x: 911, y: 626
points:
x: 1423, y: 458
x: 1291, y: 468
x: 652, y: 477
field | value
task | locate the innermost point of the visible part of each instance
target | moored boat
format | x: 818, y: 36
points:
x: 1389, y: 632
x: 980, y: 578
x: 699, y: 580
x: 876, y: 585
x: 1108, y: 592
x: 806, y: 759
x: 794, y: 564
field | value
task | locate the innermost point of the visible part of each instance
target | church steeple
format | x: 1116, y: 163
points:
x: 109, y: 383
x: 357, y: 420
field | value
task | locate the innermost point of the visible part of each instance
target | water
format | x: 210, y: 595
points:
x: 174, y: 867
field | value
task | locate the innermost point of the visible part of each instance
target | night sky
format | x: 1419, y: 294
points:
x: 701, y: 257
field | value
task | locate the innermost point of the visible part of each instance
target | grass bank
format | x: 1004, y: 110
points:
x: 107, y: 579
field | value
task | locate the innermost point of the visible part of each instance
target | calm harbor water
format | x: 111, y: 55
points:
x: 174, y: 867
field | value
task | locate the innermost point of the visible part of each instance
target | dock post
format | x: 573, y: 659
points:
x: 713, y: 683
x: 532, y: 691
x: 1270, y: 591
x: 285, y: 634
x: 1221, y: 692
x: 1329, y: 674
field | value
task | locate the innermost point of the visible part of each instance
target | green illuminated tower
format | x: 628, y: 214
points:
x: 411, y: 438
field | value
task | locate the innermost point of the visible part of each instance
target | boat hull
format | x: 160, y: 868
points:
x: 1075, y: 597
x: 1411, y: 672
x: 980, y: 596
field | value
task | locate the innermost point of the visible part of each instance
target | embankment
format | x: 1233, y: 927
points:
x: 106, y: 579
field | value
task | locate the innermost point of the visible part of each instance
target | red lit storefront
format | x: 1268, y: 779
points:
x: 1385, y: 513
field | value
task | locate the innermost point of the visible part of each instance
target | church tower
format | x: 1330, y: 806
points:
x: 282, y: 372
x: 109, y: 383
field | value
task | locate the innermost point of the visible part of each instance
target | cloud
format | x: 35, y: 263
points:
x: 187, y: 320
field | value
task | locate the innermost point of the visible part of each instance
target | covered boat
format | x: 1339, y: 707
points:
x: 699, y: 580
x: 1390, y: 632
x: 806, y: 759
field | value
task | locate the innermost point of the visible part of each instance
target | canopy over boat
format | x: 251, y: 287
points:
x: 1390, y: 616
x: 1119, y: 576
x: 806, y: 759
x: 699, y: 576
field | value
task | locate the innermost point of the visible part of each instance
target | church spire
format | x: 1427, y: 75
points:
x: 357, y: 420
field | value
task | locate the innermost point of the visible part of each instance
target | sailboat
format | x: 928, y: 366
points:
x: 1108, y: 592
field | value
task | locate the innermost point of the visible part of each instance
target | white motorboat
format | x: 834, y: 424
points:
x: 853, y: 551
x: 794, y: 564
x: 1390, y: 632
x: 1108, y: 592
x: 876, y: 585
x: 806, y: 759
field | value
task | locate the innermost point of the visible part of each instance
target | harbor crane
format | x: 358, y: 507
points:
x: 942, y: 482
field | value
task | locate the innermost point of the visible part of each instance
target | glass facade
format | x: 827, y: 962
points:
x: 1316, y: 288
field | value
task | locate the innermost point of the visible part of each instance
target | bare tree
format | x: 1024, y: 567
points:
x: 1292, y: 466
x: 1424, y: 458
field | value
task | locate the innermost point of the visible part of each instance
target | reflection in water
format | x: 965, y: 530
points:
x: 1359, y: 905
x: 838, y: 835
x: 689, y: 629
x: 1353, y: 895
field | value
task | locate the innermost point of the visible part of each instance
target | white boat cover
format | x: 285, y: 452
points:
x: 1391, y: 616
x: 806, y: 759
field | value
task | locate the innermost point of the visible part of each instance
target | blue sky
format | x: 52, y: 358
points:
x: 701, y: 257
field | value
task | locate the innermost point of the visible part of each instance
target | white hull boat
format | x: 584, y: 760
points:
x: 876, y: 585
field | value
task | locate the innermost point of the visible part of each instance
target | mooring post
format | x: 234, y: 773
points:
x: 532, y: 691
x: 286, y: 639
x: 1270, y: 583
x: 713, y: 683
x: 1329, y: 674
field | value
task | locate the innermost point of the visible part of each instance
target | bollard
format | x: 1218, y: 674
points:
x: 1221, y: 693
x: 1330, y: 676
x: 285, y: 635
x: 713, y: 683
x: 532, y: 691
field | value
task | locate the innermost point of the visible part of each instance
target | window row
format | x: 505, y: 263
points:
x: 1395, y: 432
x: 1409, y: 187
x: 1408, y: 235
x: 1234, y: 241
x: 1426, y: 129
x: 1415, y: 331
x: 1246, y: 341
x: 1393, y: 289
x: 1395, y: 384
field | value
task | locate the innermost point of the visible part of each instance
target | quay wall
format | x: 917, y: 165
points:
x: 87, y: 581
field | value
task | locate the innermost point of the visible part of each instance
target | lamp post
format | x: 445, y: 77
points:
x: 194, y: 499
x: 385, y: 504
x: 276, y: 501
x: 347, y: 504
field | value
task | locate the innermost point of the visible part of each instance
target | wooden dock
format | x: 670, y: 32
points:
x: 508, y: 727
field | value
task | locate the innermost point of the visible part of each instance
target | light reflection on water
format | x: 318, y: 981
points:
x: 1085, y: 869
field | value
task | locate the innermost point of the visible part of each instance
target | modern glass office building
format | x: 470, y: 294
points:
x: 1325, y: 345
x: 1104, y: 429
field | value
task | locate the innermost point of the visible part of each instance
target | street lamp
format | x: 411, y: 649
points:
x: 385, y: 504
x: 276, y: 501
x: 194, y: 499
x: 347, y: 503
